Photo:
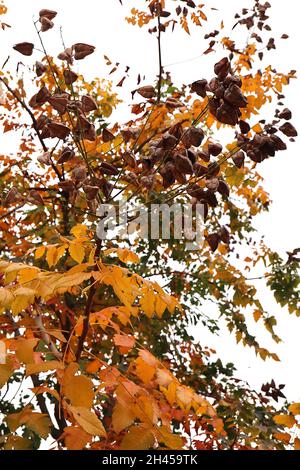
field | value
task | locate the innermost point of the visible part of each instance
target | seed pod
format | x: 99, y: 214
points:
x: 239, y: 159
x: 179, y: 176
x: 234, y: 96
x: 82, y: 50
x: 214, y: 84
x: 223, y: 188
x: 167, y: 172
x: 192, y: 136
x: 46, y: 24
x: 108, y: 169
x: 66, y: 55
x: 176, y: 130
x: 88, y: 104
x: 211, y: 198
x: 212, y: 184
x: 59, y: 103
x: 66, y: 155
x: 256, y: 155
x: 199, y: 87
x: 183, y: 164
x: 12, y: 196
x: 35, y: 197
x: 129, y: 159
x: 70, y: 76
x: 173, y: 103
x: 244, y: 126
x: 214, y: 149
x: 83, y: 124
x: 213, y: 169
x: 288, y: 129
x: 146, y: 91
x: 222, y: 67
x: 44, y: 158
x: 25, y: 48
x: 127, y: 134
x: 40, y: 68
x: 79, y: 174
x: 168, y: 141
x: 67, y: 186
x: 227, y: 114
x: 90, y: 191
x: 285, y: 114
x: 279, y: 144
x: 107, y: 135
x: 58, y: 130
x: 195, y: 191
x: 224, y: 235
x: 232, y: 79
x: 50, y: 14
x: 203, y: 155
x: 199, y: 169
x: 90, y: 134
x: 191, y: 154
x: 147, y: 181
x: 213, y: 240
x: 42, y: 96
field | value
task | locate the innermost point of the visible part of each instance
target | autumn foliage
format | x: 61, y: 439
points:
x: 99, y: 353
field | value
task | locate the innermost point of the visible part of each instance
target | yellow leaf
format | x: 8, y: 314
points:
x: 88, y: 421
x: 6, y: 297
x: 297, y: 443
x: 137, y: 438
x: 76, y: 438
x: 77, y: 388
x: 40, y: 424
x: 24, y: 296
x: 283, y: 436
x: 122, y: 417
x: 79, y: 231
x: 285, y: 420
x: 77, y: 252
x: 50, y: 257
x: 28, y: 274
x: 6, y: 370
x: 44, y: 367
x: 294, y: 408
x: 257, y: 315
x: 165, y: 436
x: 257, y: 128
x: 24, y: 349
x: 39, y: 252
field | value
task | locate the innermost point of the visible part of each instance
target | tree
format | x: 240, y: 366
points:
x: 98, y: 353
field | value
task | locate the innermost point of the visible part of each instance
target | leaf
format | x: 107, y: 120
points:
x: 294, y: 408
x: 79, y: 390
x: 6, y: 371
x: 77, y: 252
x: 28, y: 274
x: 297, y: 443
x: 124, y: 342
x: 285, y: 420
x: 76, y: 438
x: 79, y: 231
x: 24, y: 296
x: 88, y: 421
x: 40, y: 424
x: 44, y: 367
x: 6, y: 297
x: 24, y: 349
x: 138, y: 438
x: 122, y: 417
x: 39, y: 252
x: 165, y: 436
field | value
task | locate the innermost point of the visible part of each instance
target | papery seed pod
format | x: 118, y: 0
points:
x: 285, y: 114
x: 25, y: 48
x: 67, y: 186
x: 83, y: 124
x: 79, y: 174
x: 44, y: 158
x: 213, y: 240
x: 279, y: 144
x: 199, y: 169
x: 90, y: 191
x: 66, y: 55
x: 227, y: 114
x: 107, y: 135
x: 50, y: 14
x: 45, y: 133
x: 223, y: 188
x: 70, y: 76
x: 199, y: 87
x: 222, y: 67
x: 176, y: 130
x: 183, y: 164
x: 213, y: 105
x: 12, y: 196
x: 108, y: 169
x: 88, y: 104
x: 75, y: 106
x: 212, y: 184
x: 173, y: 103
x: 82, y: 50
x: 203, y: 155
x: 214, y: 84
x: 35, y: 197
x: 129, y: 159
x: 195, y: 191
x: 224, y: 235
x: 168, y: 141
x: 232, y: 79
x: 213, y: 169
x: 167, y: 172
x: 244, y: 126
x: 59, y: 103
x: 131, y: 178
x: 179, y: 176
x: 192, y: 136
x: 42, y: 121
x: 46, y: 24
x: 40, y: 68
x: 147, y: 181
x: 90, y: 134
x: 210, y: 198
x: 66, y: 155
x: 288, y: 129
x: 58, y: 130
x: 214, y: 149
x: 191, y: 154
x: 256, y: 155
x: 146, y: 91
x: 234, y: 96
x: 219, y: 92
x: 127, y: 134
x: 239, y: 159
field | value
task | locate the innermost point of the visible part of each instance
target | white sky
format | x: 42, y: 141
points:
x: 101, y: 23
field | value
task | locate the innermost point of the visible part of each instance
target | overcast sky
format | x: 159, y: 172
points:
x: 100, y: 22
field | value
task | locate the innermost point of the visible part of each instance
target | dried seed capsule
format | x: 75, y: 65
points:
x: 214, y: 149
x: 70, y: 77
x: 25, y: 48
x: 234, y: 96
x: 192, y: 136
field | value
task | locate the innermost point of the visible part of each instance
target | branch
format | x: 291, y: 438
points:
x: 160, y: 70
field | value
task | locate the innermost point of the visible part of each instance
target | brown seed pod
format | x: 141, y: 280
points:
x: 224, y: 235
x: 58, y: 130
x: 108, y: 169
x: 107, y: 135
x: 203, y: 155
x: 199, y: 169
x: 212, y: 184
x: 195, y: 191
x: 25, y: 48
x: 12, y: 196
x: 67, y: 186
x: 192, y: 136
x: 50, y: 14
x: 66, y: 155
x: 222, y: 67
x: 227, y: 114
x: 79, y: 174
x: 285, y: 114
x: 82, y: 50
x: 35, y: 197
x: 168, y: 141
x: 234, y: 96
x: 88, y: 104
x: 199, y: 87
x: 223, y: 188
x: 183, y: 164
x: 46, y: 24
x: 279, y: 144
x: 288, y: 129
x: 70, y: 76
x: 90, y: 191
x: 147, y: 181
x: 90, y: 134
x: 66, y: 55
x: 210, y: 198
x: 214, y: 149
x: 40, y: 68
x: 244, y: 126
x: 146, y: 91
x: 239, y: 159
x: 213, y: 240
x: 232, y: 79
x: 44, y: 158
x: 129, y: 159
x: 59, y: 102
